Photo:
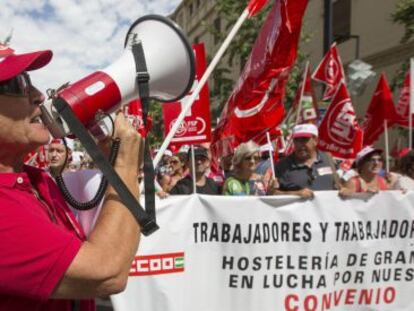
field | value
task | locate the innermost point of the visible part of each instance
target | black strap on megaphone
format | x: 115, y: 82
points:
x: 147, y: 223
x: 142, y: 81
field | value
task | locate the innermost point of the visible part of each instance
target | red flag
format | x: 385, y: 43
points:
x: 255, y: 6
x: 37, y: 158
x: 339, y: 132
x: 261, y: 138
x: 134, y: 115
x: 256, y: 103
x: 403, y: 106
x: 196, y: 126
x: 305, y: 101
x: 330, y: 72
x: 381, y: 108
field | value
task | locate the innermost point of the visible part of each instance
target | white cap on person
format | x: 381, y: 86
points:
x: 366, y: 151
x: 305, y: 130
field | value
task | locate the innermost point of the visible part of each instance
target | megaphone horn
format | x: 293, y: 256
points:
x: 170, y: 63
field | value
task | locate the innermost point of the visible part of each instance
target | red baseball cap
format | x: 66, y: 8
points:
x: 14, y: 64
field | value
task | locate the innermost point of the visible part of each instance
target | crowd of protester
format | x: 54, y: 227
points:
x: 248, y: 170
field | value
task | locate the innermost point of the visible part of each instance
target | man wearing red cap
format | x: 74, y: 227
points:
x: 45, y: 261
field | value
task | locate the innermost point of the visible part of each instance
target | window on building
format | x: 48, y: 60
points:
x: 341, y: 20
x: 217, y: 29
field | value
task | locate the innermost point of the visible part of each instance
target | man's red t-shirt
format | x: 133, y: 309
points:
x: 38, y: 241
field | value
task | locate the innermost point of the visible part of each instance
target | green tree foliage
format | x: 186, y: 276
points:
x: 239, y: 51
x: 156, y: 135
x: 403, y: 15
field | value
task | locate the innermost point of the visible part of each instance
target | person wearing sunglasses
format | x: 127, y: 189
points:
x: 243, y: 179
x: 307, y: 169
x: 46, y: 263
x: 369, y: 164
x: 177, y: 172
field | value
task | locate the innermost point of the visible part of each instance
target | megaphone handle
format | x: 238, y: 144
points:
x: 147, y: 223
x: 142, y: 81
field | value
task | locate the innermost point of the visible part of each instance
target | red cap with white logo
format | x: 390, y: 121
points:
x: 12, y: 64
x: 305, y: 130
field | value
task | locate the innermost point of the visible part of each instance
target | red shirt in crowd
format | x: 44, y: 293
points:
x: 39, y: 240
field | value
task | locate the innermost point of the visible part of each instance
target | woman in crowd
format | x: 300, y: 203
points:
x: 405, y: 172
x: 369, y: 164
x: 177, y: 169
x: 244, y: 180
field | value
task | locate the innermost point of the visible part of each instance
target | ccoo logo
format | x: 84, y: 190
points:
x: 157, y: 264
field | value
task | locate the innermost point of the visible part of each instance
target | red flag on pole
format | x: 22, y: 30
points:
x: 305, y: 105
x: 403, y: 106
x: 255, y: 6
x: 196, y: 126
x: 256, y: 103
x: 380, y: 108
x: 133, y: 112
x: 330, y: 72
x: 339, y: 132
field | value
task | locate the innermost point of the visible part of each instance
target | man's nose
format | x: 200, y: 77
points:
x: 36, y: 96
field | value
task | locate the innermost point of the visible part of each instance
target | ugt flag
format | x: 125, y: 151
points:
x: 381, y: 108
x: 330, y: 72
x: 256, y: 103
x: 339, y: 132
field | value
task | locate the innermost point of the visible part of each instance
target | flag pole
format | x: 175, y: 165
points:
x: 305, y: 74
x: 272, y: 165
x: 410, y: 121
x: 387, y: 148
x: 193, y: 173
x: 201, y: 84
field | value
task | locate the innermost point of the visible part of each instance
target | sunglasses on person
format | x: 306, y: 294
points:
x: 20, y: 85
x: 249, y: 158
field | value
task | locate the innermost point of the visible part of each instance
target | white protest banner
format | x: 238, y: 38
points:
x: 222, y: 253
